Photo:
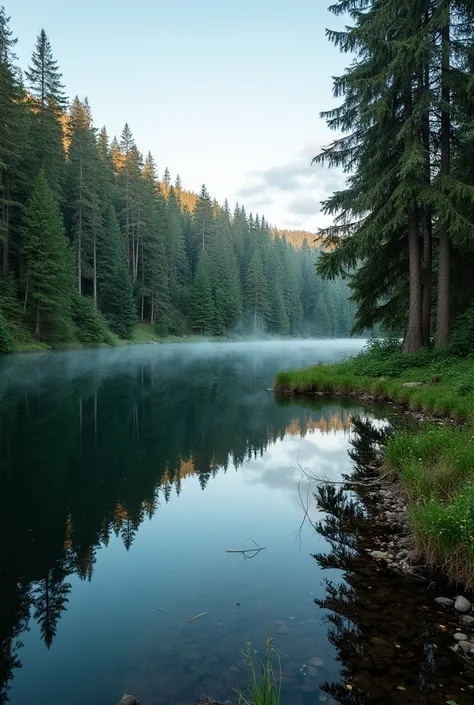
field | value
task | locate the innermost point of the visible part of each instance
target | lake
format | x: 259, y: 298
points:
x: 126, y: 475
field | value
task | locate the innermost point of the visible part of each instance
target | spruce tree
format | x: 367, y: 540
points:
x: 202, y: 310
x: 12, y: 139
x: 116, y: 298
x: 256, y: 295
x: 47, y: 103
x: 49, y: 266
x: 82, y: 188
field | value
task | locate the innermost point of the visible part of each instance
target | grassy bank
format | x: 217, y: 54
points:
x: 143, y: 333
x: 435, y: 463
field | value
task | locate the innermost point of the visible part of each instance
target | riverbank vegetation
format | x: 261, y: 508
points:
x: 94, y: 240
x: 434, y: 460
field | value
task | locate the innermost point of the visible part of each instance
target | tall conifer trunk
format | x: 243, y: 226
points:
x: 413, y: 339
x: 443, y: 313
x: 427, y: 275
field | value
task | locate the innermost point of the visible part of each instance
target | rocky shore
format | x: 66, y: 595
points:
x: 399, y: 554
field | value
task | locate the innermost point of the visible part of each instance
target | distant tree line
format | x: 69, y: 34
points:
x: 404, y: 224
x: 92, y: 241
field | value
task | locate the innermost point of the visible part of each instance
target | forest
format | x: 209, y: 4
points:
x: 93, y: 242
x: 403, y: 227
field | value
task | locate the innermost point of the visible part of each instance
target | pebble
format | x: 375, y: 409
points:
x: 462, y: 605
x: 445, y: 601
x: 465, y: 646
x: 459, y: 636
x: 378, y: 554
x: 467, y: 620
x: 402, y: 556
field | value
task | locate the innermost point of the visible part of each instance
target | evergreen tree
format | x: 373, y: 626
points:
x: 47, y: 102
x: 116, y: 298
x: 256, y: 294
x: 84, y: 211
x: 323, y: 321
x: 49, y: 268
x: 203, y: 225
x: 12, y: 137
x: 202, y: 304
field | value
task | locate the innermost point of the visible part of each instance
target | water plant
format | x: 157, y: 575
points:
x: 265, y: 683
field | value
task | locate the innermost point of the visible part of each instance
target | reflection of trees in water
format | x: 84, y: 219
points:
x: 384, y: 627
x: 88, y: 456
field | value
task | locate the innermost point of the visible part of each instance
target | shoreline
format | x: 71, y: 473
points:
x: 432, y: 462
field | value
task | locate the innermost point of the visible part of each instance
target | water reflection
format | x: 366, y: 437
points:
x: 385, y: 628
x: 88, y: 453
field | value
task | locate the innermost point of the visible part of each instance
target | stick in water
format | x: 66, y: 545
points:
x: 198, y: 616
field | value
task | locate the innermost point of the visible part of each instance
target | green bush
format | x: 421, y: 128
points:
x: 6, y: 338
x: 462, y: 338
x: 91, y: 326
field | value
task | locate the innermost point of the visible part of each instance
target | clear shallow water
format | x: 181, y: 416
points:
x: 125, y: 476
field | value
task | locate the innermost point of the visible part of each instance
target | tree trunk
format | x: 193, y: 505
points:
x: 142, y: 309
x: 37, y: 325
x: 95, y: 269
x: 152, y: 316
x: 427, y: 277
x: 427, y: 267
x: 413, y: 339
x: 443, y: 313
x: 79, y: 242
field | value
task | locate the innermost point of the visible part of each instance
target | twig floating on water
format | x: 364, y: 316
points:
x: 198, y: 616
x: 244, y: 551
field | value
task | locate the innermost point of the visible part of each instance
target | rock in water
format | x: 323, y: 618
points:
x: 378, y: 554
x: 460, y: 637
x: 445, y: 601
x: 467, y: 620
x: 462, y: 605
x: 128, y: 700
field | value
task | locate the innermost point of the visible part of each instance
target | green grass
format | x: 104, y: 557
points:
x: 265, y: 684
x: 435, y: 463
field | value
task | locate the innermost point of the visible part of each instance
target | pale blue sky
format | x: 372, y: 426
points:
x: 225, y: 92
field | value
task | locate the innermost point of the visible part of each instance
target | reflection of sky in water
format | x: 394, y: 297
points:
x: 114, y: 632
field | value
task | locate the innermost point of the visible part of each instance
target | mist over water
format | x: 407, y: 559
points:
x: 125, y: 476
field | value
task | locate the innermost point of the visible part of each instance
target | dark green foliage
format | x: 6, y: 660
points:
x: 49, y: 275
x: 91, y: 326
x: 6, y: 338
x: 202, y: 310
x: 462, y: 338
x: 115, y: 285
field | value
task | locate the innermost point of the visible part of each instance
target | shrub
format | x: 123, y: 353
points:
x: 6, y: 338
x: 91, y: 326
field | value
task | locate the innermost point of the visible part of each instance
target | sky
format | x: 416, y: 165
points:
x: 227, y: 93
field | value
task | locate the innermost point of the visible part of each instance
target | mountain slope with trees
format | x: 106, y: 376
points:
x: 92, y: 241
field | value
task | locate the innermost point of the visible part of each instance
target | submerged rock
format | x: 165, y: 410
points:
x: 378, y: 554
x: 128, y: 700
x: 462, y: 605
x: 467, y: 620
x: 445, y: 601
x: 460, y: 637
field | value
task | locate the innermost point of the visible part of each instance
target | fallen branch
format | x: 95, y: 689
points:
x: 198, y: 616
x: 244, y: 551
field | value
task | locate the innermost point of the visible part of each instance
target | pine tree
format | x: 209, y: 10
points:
x: 47, y: 102
x: 49, y: 268
x: 116, y: 298
x: 203, y: 225
x: 12, y: 138
x: 225, y: 278
x: 323, y: 322
x: 167, y: 177
x: 256, y: 295
x: 202, y: 304
x: 82, y: 187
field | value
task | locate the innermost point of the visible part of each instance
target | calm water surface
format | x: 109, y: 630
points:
x: 125, y: 476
